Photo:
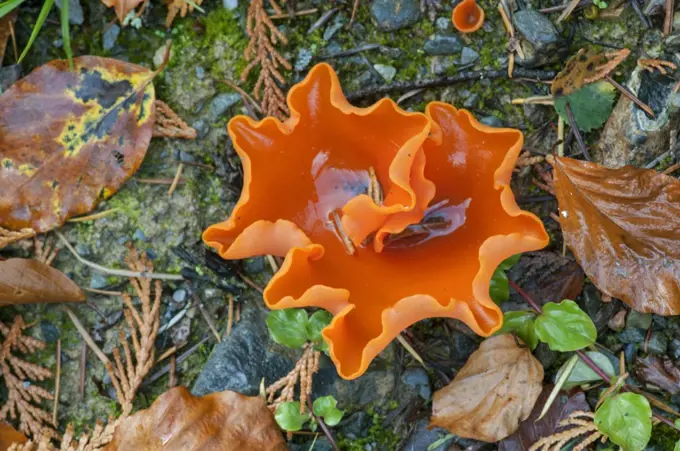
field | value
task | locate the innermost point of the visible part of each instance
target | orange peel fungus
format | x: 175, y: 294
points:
x: 467, y: 16
x: 426, y: 248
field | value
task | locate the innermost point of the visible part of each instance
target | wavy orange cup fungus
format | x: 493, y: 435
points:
x: 467, y: 16
x: 384, y: 217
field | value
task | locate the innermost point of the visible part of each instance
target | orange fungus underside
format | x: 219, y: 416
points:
x: 468, y: 16
x: 448, y: 217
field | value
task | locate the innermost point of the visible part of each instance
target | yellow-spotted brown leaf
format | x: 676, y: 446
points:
x: 69, y: 139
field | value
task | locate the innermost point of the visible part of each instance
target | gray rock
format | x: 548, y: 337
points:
x: 8, y: 75
x: 418, y: 379
x: 545, y: 355
x: 392, y: 15
x: 539, y: 38
x: 422, y: 438
x: 202, y: 128
x: 245, y: 357
x: 658, y: 343
x: 179, y: 295
x: 75, y: 12
x: 110, y: 36
x: 443, y: 44
x: 50, y: 332
x: 591, y: 301
x: 630, y: 137
x: 221, y: 103
x: 373, y: 387
x: 639, y: 320
x: 491, y: 121
x: 254, y: 265
x: 356, y: 425
x: 200, y: 72
x: 386, y: 72
x: 443, y: 23
x: 471, y: 101
x: 304, y: 57
x: 98, y: 281
x: 632, y: 335
x: 333, y: 28
x: 672, y: 42
x: 468, y: 56
x: 230, y: 4
x: 674, y: 349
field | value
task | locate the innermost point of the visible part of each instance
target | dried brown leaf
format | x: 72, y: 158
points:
x: 492, y: 393
x: 177, y: 420
x: 623, y: 226
x: 181, y: 7
x: 6, y: 32
x: 27, y: 281
x: 9, y: 435
x: 70, y: 138
x: 549, y: 276
x: 122, y: 7
x: 587, y: 66
x: 530, y: 430
x: 658, y: 371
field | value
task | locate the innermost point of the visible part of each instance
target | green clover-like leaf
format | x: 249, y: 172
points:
x: 522, y: 324
x: 288, y: 326
x: 583, y: 374
x: 499, y: 290
x: 325, y: 407
x: 565, y: 327
x: 590, y: 105
x: 288, y: 416
x: 627, y: 420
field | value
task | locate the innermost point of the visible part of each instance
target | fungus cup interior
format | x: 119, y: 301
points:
x: 421, y: 262
x: 468, y: 16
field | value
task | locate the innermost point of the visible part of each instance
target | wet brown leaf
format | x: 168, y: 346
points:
x: 6, y: 32
x: 658, y: 371
x: 69, y: 139
x: 492, y: 393
x: 549, y: 276
x: 9, y: 435
x: 27, y: 281
x: 623, y: 226
x: 179, y: 421
x: 530, y: 430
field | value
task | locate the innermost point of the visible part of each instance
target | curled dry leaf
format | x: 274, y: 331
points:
x: 623, y: 226
x: 27, y: 281
x: 122, y: 7
x: 492, y: 393
x: 658, y: 371
x: 179, y: 421
x: 6, y: 24
x: 549, y: 276
x: 587, y: 66
x: 69, y: 139
x: 9, y: 435
x: 530, y: 431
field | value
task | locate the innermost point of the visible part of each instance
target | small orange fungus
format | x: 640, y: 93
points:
x: 427, y: 247
x: 467, y: 16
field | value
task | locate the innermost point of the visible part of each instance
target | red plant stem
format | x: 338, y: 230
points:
x: 587, y: 360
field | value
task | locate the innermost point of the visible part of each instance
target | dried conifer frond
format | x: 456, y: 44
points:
x: 580, y: 423
x: 261, y: 52
x: 9, y: 237
x: 97, y: 440
x: 44, y: 250
x: 18, y: 375
x: 303, y: 371
x: 650, y: 65
x: 170, y: 125
x: 181, y: 7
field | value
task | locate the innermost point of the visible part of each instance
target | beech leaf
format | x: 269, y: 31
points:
x: 522, y: 324
x: 9, y: 435
x: 627, y: 420
x: 71, y: 138
x: 565, y: 327
x: 659, y: 371
x: 591, y: 105
x: 493, y: 392
x: 27, y: 281
x: 179, y: 421
x: 623, y: 226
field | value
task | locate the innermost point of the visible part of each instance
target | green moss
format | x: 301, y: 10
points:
x: 664, y: 437
x: 377, y: 438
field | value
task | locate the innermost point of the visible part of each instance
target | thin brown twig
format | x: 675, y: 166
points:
x: 626, y: 92
x: 230, y: 318
x: 175, y: 181
x: 668, y: 19
x: 57, y: 383
x: 577, y: 132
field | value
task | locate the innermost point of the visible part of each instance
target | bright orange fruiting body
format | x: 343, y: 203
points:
x: 429, y: 249
x: 467, y: 16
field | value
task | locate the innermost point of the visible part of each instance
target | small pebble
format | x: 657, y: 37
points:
x: 386, y: 72
x: 468, y: 56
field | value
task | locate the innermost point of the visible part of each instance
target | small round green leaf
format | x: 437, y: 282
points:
x: 583, y: 374
x: 499, y: 290
x: 522, y: 324
x: 288, y: 416
x: 288, y: 327
x: 317, y: 322
x: 565, y: 327
x: 590, y: 105
x: 325, y: 407
x: 627, y: 420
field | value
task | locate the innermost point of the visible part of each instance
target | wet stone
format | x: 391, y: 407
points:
x: 674, y: 349
x: 539, y: 38
x: 109, y: 37
x: 418, y: 379
x: 50, y: 332
x: 443, y: 45
x: 392, y: 15
x: 202, y: 128
x: 75, y: 12
x: 468, y: 56
x: 254, y: 265
x: 98, y: 281
x: 356, y: 425
x: 220, y: 104
x: 491, y: 121
x: 304, y: 57
x: 230, y: 4
x: 545, y: 355
x: 179, y: 295
x: 658, y: 343
x: 632, y: 335
x: 422, y: 438
x: 386, y: 72
x: 443, y: 23
x: 8, y: 75
x: 639, y: 320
